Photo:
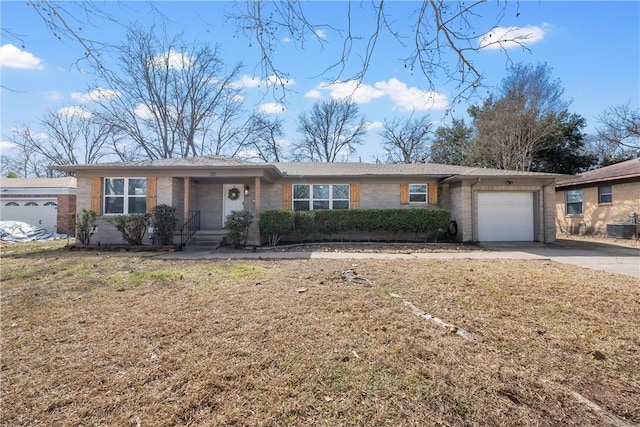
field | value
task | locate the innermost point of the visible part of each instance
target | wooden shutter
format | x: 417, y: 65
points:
x: 404, y: 194
x: 286, y: 197
x: 152, y: 193
x: 96, y: 194
x: 355, y: 196
x: 433, y: 194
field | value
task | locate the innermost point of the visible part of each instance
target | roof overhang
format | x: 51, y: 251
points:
x: 266, y: 171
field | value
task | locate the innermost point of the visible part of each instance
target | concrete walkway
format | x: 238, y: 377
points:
x: 599, y: 256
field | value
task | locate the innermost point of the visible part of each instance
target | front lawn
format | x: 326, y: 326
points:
x: 121, y: 339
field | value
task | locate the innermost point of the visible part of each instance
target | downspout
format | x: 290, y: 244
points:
x: 544, y: 210
x: 473, y: 210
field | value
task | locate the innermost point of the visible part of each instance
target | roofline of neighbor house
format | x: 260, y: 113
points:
x: 582, y: 182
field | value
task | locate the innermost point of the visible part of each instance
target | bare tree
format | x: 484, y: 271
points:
x: 69, y: 136
x: 330, y: 132
x: 264, y: 139
x: 620, y: 128
x: 407, y: 141
x: 513, y: 127
x: 25, y: 162
x: 436, y: 37
x: 170, y: 98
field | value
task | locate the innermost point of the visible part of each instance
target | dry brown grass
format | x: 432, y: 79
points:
x: 125, y: 339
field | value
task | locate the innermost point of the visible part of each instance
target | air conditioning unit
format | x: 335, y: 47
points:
x: 623, y: 231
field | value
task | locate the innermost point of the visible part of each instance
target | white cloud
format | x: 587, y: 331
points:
x: 271, y: 108
x: 313, y: 94
x: 274, y: 80
x: 322, y: 34
x: 12, y: 57
x: 510, y: 37
x: 358, y: 92
x: 7, y: 145
x: 175, y: 60
x: 74, y: 111
x: 374, y: 125
x: 412, y: 98
x: 405, y: 98
x: 142, y: 111
x: 246, y: 81
x: 96, y: 95
x: 287, y: 39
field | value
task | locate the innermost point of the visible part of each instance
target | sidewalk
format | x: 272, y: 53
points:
x: 609, y: 258
x: 204, y: 254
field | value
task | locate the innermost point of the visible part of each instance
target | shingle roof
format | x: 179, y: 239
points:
x: 372, y: 169
x: 622, y: 170
x: 313, y: 169
x: 204, y: 161
x: 64, y: 182
x: 363, y: 169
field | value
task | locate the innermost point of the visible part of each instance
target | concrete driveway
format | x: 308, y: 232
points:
x: 599, y: 256
x: 596, y: 255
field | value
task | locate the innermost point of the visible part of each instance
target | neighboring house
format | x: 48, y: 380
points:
x: 487, y: 204
x: 586, y: 203
x: 41, y: 202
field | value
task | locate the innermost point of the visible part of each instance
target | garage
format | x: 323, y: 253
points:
x: 505, y: 216
x: 40, y: 213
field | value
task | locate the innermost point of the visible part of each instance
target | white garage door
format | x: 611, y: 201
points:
x: 40, y: 213
x: 505, y: 217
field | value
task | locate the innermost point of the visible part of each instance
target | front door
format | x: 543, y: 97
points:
x: 233, y: 199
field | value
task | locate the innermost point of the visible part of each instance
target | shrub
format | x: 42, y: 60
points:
x: 275, y: 224
x: 363, y: 220
x: 84, y: 226
x: 164, y: 221
x: 372, y: 220
x: 304, y: 222
x: 132, y: 227
x: 238, y: 224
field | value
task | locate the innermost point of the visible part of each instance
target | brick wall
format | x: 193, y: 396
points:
x: 66, y: 208
x: 595, y: 216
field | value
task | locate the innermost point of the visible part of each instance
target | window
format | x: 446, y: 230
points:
x: 12, y: 204
x: 31, y: 204
x: 604, y: 194
x: 125, y: 195
x: 320, y: 196
x: 51, y: 204
x: 574, y: 202
x: 418, y: 193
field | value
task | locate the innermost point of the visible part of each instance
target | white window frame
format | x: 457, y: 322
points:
x: 125, y: 197
x: 601, y: 193
x: 419, y: 193
x: 331, y: 199
x: 581, y: 202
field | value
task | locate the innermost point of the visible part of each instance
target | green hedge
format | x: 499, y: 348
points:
x: 277, y: 224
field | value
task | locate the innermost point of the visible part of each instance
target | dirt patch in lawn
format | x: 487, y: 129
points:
x: 126, y: 339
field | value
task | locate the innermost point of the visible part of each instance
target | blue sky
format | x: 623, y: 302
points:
x: 592, y: 47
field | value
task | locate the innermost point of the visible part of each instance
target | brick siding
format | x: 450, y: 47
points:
x: 595, y: 216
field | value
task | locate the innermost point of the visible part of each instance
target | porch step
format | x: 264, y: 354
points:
x: 208, y: 238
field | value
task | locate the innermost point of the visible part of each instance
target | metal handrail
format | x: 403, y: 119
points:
x: 189, y: 228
